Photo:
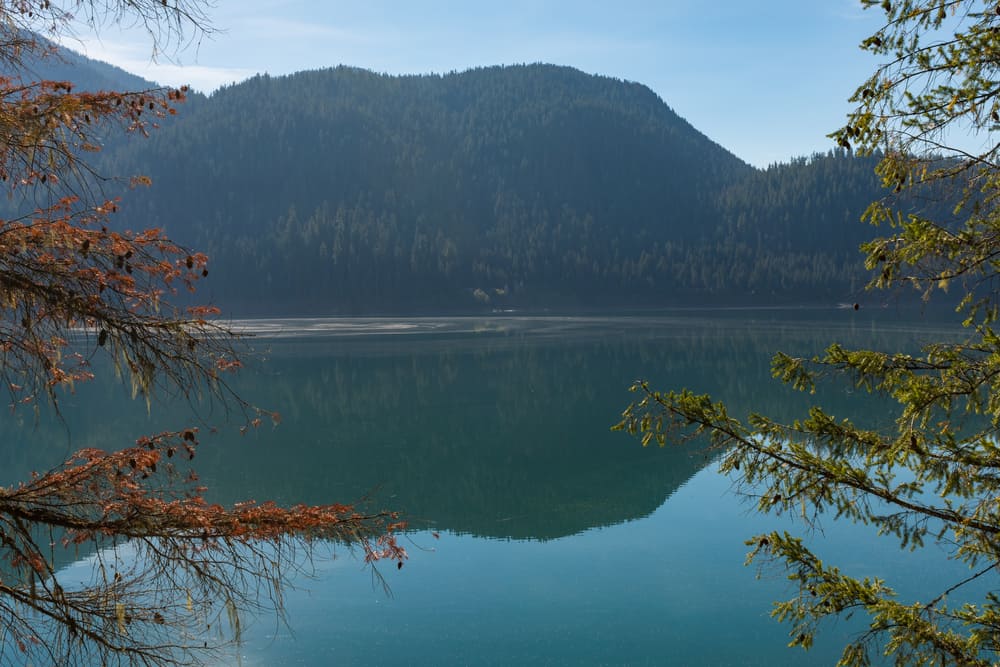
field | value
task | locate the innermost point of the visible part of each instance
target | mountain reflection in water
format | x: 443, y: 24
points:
x: 493, y: 427
x: 498, y: 428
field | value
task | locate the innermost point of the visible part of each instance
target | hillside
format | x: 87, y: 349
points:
x: 530, y: 184
x: 343, y: 191
x: 51, y: 63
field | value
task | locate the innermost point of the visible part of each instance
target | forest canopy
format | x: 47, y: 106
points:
x: 504, y: 187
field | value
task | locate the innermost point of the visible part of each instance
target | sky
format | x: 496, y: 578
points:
x: 766, y: 79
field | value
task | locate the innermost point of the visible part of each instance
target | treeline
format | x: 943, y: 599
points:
x: 344, y: 192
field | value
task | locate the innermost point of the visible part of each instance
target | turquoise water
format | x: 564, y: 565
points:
x: 560, y: 542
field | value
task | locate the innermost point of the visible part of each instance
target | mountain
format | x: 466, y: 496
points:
x: 347, y: 191
x: 343, y: 191
x: 52, y: 63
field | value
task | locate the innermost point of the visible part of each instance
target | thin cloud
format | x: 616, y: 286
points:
x: 852, y: 10
x: 138, y: 60
x: 201, y: 78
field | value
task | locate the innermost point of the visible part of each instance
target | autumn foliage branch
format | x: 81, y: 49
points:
x: 170, y: 569
x: 191, y: 563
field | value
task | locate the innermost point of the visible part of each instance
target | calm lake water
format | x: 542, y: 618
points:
x: 561, y: 543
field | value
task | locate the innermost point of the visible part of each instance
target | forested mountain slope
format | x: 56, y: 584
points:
x: 343, y: 191
x: 51, y: 63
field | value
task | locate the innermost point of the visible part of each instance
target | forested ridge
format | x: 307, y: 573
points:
x: 343, y: 191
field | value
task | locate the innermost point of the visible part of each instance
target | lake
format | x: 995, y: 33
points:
x: 559, y: 542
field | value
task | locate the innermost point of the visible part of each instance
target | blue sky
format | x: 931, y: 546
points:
x: 766, y: 79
